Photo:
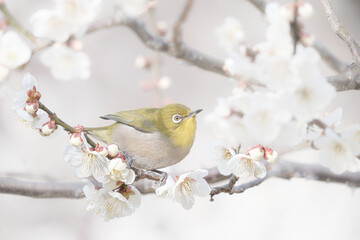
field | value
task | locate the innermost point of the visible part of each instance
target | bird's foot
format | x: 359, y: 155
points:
x: 128, y: 160
x: 163, y: 178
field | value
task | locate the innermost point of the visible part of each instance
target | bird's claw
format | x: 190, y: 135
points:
x: 163, y: 178
x: 128, y: 160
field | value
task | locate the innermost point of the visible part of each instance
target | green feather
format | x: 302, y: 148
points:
x: 141, y: 119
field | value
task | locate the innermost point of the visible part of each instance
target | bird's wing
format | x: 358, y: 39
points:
x: 135, y: 119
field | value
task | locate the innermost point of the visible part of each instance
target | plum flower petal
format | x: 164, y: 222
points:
x: 167, y: 189
x: 65, y: 63
x: 120, y: 172
x: 112, y: 204
x: 190, y: 184
x: 13, y: 50
x: 87, y: 163
x: 243, y: 165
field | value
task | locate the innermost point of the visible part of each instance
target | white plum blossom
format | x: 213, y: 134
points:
x: 120, y: 172
x: 241, y: 67
x: 78, y: 12
x: 314, y: 92
x: 4, y: 73
x: 112, y: 203
x: 25, y: 108
x: 190, y: 184
x: 271, y: 156
x: 48, y: 24
x: 166, y: 190
x: 67, y: 18
x: 264, y: 119
x: 230, y: 34
x: 14, y: 52
x: 222, y: 153
x: 164, y: 82
x: 256, y: 153
x: 331, y: 120
x: 66, y: 63
x: 113, y: 150
x: 86, y: 162
x: 243, y: 165
x: 134, y: 8
x: 305, y: 10
x: 338, y: 152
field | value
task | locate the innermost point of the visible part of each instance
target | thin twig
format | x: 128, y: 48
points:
x: 227, y: 188
x: 177, y: 29
x: 63, y: 124
x: 341, y: 31
x: 295, y: 26
x: 15, y: 24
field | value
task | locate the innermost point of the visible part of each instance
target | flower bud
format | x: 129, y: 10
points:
x: 31, y: 108
x: 307, y: 39
x: 306, y: 10
x: 76, y: 140
x: 113, y: 150
x: 270, y: 155
x: 48, y: 128
x: 76, y: 44
x: 164, y: 83
x: 288, y: 12
x: 142, y: 62
x: 102, y: 151
x: 162, y: 28
x: 256, y: 152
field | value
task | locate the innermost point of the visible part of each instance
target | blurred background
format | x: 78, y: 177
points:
x: 277, y: 209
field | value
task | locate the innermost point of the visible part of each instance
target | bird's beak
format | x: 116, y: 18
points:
x: 193, y: 113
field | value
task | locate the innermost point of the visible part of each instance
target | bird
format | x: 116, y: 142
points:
x: 153, y: 138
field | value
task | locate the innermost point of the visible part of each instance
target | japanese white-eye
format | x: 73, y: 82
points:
x: 152, y: 137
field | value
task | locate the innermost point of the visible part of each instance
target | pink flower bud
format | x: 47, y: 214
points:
x: 113, y: 150
x: 102, y: 150
x: 142, y: 62
x: 305, y: 10
x: 162, y: 28
x: 256, y: 153
x: 164, y: 83
x: 270, y: 155
x: 32, y: 108
x: 307, y: 39
x: 76, y: 44
x: 48, y: 128
x: 76, y: 140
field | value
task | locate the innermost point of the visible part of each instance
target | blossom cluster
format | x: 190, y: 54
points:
x: 249, y: 164
x: 64, y: 24
x: 280, y: 88
x: 14, y: 52
x: 108, y: 188
x: 186, y: 186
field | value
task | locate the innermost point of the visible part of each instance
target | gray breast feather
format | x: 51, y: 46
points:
x: 147, y: 150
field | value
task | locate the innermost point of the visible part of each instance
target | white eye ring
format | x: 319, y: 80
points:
x: 176, y: 118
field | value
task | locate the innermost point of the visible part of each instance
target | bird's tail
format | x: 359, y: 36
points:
x: 103, y: 134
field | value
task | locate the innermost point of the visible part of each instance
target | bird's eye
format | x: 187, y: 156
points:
x: 176, y: 118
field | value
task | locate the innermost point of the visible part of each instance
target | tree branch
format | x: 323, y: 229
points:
x: 15, y: 24
x: 347, y: 80
x: 41, y: 189
x: 325, y: 53
x: 177, y: 31
x: 283, y: 169
x: 341, y: 31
